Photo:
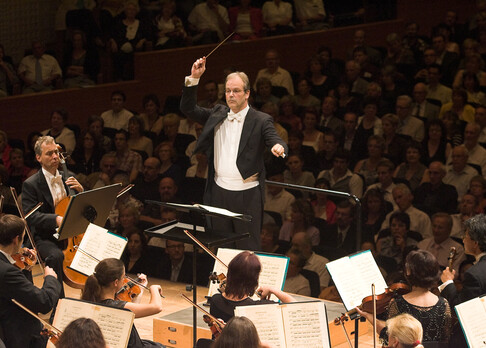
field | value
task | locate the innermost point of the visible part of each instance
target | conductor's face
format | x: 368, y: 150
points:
x: 236, y: 96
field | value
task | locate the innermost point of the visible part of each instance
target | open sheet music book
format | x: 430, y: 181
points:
x: 274, y: 269
x: 99, y: 243
x: 298, y: 324
x: 472, y: 316
x: 353, y: 276
x: 115, y: 323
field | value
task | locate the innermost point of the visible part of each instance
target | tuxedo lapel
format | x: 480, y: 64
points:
x: 248, y: 126
x: 44, y: 189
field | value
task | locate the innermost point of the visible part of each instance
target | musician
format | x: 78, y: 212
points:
x: 422, y: 273
x: 82, y: 332
x: 239, y: 332
x: 241, y: 284
x: 47, y: 186
x: 20, y: 329
x: 104, y: 283
x: 404, y: 331
x: 234, y: 140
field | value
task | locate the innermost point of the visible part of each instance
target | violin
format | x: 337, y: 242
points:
x: 218, y: 279
x: 382, y: 301
x: 129, y: 291
x: 214, y: 325
x: 25, y: 258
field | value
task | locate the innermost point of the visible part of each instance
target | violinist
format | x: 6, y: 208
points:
x: 106, y: 281
x: 20, y: 329
x: 404, y: 331
x: 422, y: 272
x: 47, y: 186
x: 82, y: 332
x: 241, y: 284
x: 239, y: 332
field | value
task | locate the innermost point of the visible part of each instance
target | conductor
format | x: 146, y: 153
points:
x: 234, y: 139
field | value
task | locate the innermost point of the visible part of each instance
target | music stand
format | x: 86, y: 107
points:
x: 89, y: 206
x: 175, y: 231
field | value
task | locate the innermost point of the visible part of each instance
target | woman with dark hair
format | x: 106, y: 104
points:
x: 8, y: 76
x: 422, y: 273
x: 312, y: 135
x: 82, y: 332
x: 412, y: 170
x: 301, y: 220
x: 87, y: 155
x: 152, y: 120
x: 239, y: 332
x: 323, y: 208
x: 470, y: 83
x: 394, y: 143
x: 241, y: 284
x: 345, y: 101
x: 435, y: 145
x: 452, y: 125
x: 166, y: 153
x: 367, y: 167
x: 102, y: 286
x: 303, y: 98
x: 136, y: 257
x: 374, y: 212
x: 136, y: 140
x: 320, y: 83
x: 288, y: 118
x: 18, y: 171
x: 95, y: 126
x: 62, y: 134
x: 459, y: 106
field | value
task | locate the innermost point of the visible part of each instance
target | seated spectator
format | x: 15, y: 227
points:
x: 152, y: 119
x: 340, y: 177
x: 116, y: 118
x: 8, y: 78
x: 467, y: 209
x: 127, y: 160
x: 470, y: 83
x: 342, y: 234
x: 277, y: 17
x: 412, y: 170
x: 385, y: 184
x: 301, y: 220
x: 320, y: 82
x: 39, y: 71
x: 272, y: 110
x: 419, y: 221
x: 308, y: 153
x: 167, y: 193
x: 367, y: 168
x: 212, y: 97
x: 128, y: 35
x: 147, y: 182
x: 170, y: 32
x: 353, y: 77
x: 324, y: 208
x: 95, y: 126
x: 295, y: 282
x: 374, y: 212
x: 459, y: 173
x: 288, y: 117
x: 296, y: 175
x: 435, y: 145
x: 128, y: 219
x: 167, y: 155
x: 433, y: 195
x: 200, y: 168
x: 350, y: 142
x: 346, y: 101
x: 440, y: 244
x: 421, y: 107
x: 269, y: 239
x: 5, y: 149
x: 276, y: 74
x: 18, y: 172
x: 304, y: 99
x: 394, y: 142
x: 81, y: 62
x: 316, y: 263
x: 477, y: 187
x: 398, y: 55
x: 136, y: 140
x: 472, y: 67
x: 179, y: 141
x: 369, y: 71
x: 452, y: 125
x: 264, y: 92
x: 137, y: 258
x: 369, y: 124
x: 435, y: 89
x: 245, y: 21
x: 395, y: 244
x: 311, y: 15
x: 208, y: 22
x: 276, y: 198
x: 312, y: 135
x: 409, y: 125
x: 459, y: 106
x: 476, y: 153
x: 62, y: 134
x: 86, y: 156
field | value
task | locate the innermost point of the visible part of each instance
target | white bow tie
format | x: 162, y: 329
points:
x: 232, y: 116
x: 56, y: 180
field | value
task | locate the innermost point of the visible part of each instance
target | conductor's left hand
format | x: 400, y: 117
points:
x: 278, y: 150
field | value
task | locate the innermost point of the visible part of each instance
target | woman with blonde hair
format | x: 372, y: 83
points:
x: 404, y: 331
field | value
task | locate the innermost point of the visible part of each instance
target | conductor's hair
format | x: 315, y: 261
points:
x: 243, y: 273
x: 82, y: 332
x: 11, y: 226
x: 107, y: 271
x: 242, y: 76
x: 239, y: 332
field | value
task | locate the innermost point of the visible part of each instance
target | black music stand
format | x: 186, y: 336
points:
x: 89, y: 206
x: 175, y: 231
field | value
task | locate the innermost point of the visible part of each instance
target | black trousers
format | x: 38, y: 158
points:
x: 52, y: 255
x: 247, y: 202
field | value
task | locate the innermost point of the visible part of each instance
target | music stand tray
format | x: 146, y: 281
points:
x: 89, y: 206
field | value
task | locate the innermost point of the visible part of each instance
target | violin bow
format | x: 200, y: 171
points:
x: 45, y: 323
x: 195, y: 240
x: 24, y: 217
x: 374, y: 313
x: 124, y: 190
x: 220, y: 324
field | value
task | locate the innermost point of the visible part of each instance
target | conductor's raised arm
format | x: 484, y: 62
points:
x: 198, y: 68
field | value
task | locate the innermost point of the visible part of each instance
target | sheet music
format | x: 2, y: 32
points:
x: 305, y: 325
x: 115, y: 324
x: 268, y: 322
x: 101, y: 244
x: 274, y: 270
x: 353, y: 276
x: 472, y: 315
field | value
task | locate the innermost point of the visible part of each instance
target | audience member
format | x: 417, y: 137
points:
x: 95, y: 126
x: 245, y: 21
x: 320, y: 82
x: 476, y: 153
x: 147, y: 182
x: 480, y: 119
x: 152, y: 120
x: 435, y: 89
x: 467, y: 208
x: 212, y: 98
x: 477, y: 187
x: 328, y: 119
x: 127, y: 160
x: 367, y: 168
x: 324, y: 208
x: 345, y: 101
x: 208, y: 22
x: 359, y: 39
x: 374, y: 211
x: 306, y: 152
x: 311, y: 15
x: 17, y: 173
x: 409, y: 125
x: 353, y: 76
x: 412, y: 170
x: 394, y: 143
x: 385, y: 184
x: 277, y: 17
x: 136, y: 140
x: 169, y: 29
x: 276, y: 74
x: 272, y: 110
x: 459, y: 173
x: 304, y: 99
x: 435, y: 146
x: 81, y: 62
x: 269, y: 239
x: 421, y: 107
x: 301, y: 220
x: 447, y: 60
x: 287, y: 116
x: 116, y: 118
x: 453, y: 128
x: 86, y: 156
x: 312, y: 135
x: 8, y: 78
x: 136, y: 257
x: 263, y: 92
x: 167, y: 156
x: 62, y: 134
x: 276, y: 198
x: 459, y: 106
x: 342, y: 234
x: 295, y: 282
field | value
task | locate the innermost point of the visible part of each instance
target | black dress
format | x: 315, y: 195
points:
x: 222, y: 308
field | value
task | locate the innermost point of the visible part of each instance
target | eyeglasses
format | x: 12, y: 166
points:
x: 175, y: 246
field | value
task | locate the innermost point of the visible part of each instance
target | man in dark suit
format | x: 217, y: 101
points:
x: 474, y: 283
x: 234, y: 139
x: 20, y: 329
x: 342, y: 234
x: 47, y: 186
